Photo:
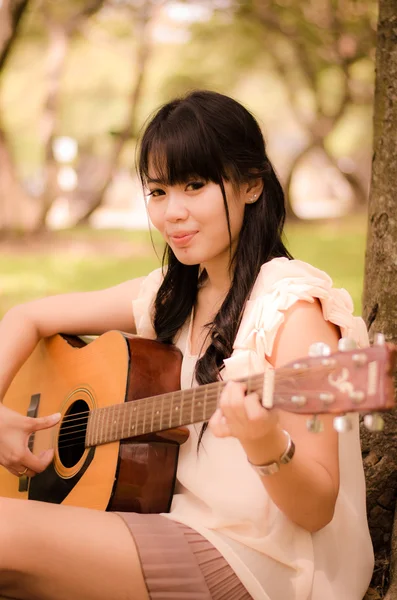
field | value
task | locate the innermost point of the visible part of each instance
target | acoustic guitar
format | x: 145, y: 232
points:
x: 116, y: 446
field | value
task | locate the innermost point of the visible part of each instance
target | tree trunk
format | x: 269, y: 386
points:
x: 380, y: 298
x: 11, y: 12
x: 57, y: 53
x: 13, y: 199
x: 143, y: 35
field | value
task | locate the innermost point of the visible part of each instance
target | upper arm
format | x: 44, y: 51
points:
x: 85, y: 312
x: 304, y: 324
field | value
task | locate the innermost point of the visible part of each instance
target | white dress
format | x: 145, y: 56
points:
x: 219, y: 495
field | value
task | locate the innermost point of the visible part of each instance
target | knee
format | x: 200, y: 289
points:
x: 9, y: 532
x: 4, y: 532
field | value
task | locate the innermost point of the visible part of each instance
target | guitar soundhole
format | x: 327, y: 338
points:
x: 72, y: 434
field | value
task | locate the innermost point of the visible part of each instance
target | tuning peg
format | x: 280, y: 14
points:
x: 314, y: 425
x: 345, y: 344
x: 327, y: 397
x: 319, y: 349
x: 360, y: 359
x: 374, y: 422
x: 298, y: 400
x: 342, y: 424
x: 379, y: 339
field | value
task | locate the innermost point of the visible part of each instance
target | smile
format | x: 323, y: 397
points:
x: 182, y: 239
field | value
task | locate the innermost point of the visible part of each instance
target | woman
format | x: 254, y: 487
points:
x: 250, y: 518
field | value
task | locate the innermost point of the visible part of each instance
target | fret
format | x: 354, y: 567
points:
x: 136, y: 410
x: 113, y: 423
x: 105, y: 419
x: 134, y: 423
x: 152, y: 419
x: 181, y: 407
x: 144, y: 417
x: 101, y: 423
x: 109, y: 433
x: 122, y: 408
x: 197, y: 409
x: 161, y: 415
x: 116, y: 422
x: 171, y: 409
x: 193, y: 400
x: 157, y: 405
x: 130, y: 428
x: 186, y: 404
x: 205, y: 404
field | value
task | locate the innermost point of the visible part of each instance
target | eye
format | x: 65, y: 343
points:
x: 194, y: 185
x: 155, y: 193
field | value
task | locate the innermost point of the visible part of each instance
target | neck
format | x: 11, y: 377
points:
x: 219, y: 276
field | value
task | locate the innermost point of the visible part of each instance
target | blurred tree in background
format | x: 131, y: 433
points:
x: 94, y: 69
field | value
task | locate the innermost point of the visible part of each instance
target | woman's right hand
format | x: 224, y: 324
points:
x: 15, y: 430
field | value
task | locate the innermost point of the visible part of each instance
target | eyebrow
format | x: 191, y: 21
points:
x: 159, y: 181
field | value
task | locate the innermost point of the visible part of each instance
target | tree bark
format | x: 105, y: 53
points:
x: 380, y: 299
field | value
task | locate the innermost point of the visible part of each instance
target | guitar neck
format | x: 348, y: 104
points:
x: 157, y: 413
x: 342, y: 382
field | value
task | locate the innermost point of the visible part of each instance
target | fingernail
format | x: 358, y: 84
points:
x: 56, y: 416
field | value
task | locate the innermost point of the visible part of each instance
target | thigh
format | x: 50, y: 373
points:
x: 52, y: 552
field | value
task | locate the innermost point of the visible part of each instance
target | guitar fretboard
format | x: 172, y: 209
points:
x: 157, y: 413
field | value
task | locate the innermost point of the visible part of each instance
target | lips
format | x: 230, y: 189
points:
x: 181, y: 238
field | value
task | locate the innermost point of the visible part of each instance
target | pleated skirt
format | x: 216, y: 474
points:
x: 179, y: 564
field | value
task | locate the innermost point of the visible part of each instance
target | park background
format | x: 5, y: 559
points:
x: 78, y: 79
x: 81, y: 78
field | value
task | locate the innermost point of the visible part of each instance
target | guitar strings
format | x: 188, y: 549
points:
x: 200, y: 390
x: 141, y: 423
x: 149, y: 404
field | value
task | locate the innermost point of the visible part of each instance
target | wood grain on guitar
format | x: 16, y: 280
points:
x: 116, y: 447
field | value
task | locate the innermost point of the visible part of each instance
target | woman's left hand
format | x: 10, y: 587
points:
x: 242, y: 416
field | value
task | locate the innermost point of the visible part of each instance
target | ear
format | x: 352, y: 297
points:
x: 252, y: 190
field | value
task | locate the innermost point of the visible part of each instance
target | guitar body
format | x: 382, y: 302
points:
x: 65, y: 375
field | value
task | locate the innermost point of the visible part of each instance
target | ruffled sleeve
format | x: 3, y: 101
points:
x: 280, y: 283
x: 142, y: 306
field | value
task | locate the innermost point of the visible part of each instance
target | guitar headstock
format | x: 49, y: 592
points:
x: 353, y: 380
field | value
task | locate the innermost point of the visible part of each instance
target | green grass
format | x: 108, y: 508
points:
x: 337, y: 248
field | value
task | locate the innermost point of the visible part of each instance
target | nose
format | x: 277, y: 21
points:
x: 176, y: 209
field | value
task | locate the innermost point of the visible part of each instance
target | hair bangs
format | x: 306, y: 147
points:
x: 179, y: 148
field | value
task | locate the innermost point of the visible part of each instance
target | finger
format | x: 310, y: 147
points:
x: 254, y: 408
x: 219, y: 425
x: 35, y: 424
x: 232, y: 402
x: 37, y: 464
x: 20, y: 471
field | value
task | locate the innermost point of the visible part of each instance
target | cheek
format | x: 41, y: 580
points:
x: 155, y: 213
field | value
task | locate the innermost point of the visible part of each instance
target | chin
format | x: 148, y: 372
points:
x: 189, y: 262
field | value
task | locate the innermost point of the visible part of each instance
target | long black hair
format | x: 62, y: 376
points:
x: 212, y: 136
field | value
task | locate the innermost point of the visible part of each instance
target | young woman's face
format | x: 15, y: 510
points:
x: 192, y: 218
